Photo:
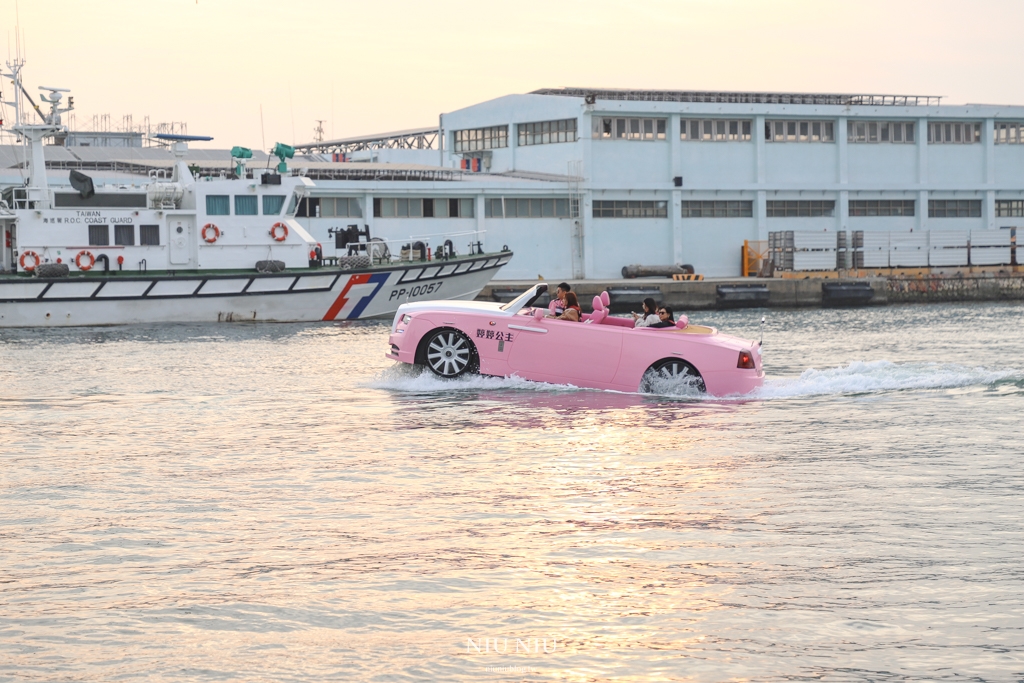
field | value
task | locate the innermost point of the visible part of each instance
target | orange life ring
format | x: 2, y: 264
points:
x: 35, y: 258
x: 281, y: 237
x: 87, y: 266
x: 216, y: 233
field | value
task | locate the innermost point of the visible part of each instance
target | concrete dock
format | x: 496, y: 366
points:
x: 723, y: 293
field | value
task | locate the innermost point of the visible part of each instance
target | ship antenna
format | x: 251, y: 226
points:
x: 263, y: 134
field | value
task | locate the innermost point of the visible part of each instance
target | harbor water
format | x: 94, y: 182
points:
x: 243, y: 502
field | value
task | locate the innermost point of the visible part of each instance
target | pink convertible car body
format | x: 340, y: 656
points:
x: 602, y: 352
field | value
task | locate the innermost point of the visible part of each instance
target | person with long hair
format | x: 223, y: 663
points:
x: 572, y: 309
x: 649, y: 316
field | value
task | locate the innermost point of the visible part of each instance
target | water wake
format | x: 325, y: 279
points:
x: 858, y: 377
x: 416, y: 379
x: 880, y: 376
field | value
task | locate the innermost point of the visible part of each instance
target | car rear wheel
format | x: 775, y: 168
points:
x: 672, y: 376
x: 450, y: 353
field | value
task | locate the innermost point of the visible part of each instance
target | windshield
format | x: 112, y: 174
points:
x: 526, y: 298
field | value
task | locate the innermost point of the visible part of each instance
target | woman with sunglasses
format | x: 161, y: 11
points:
x: 665, y: 318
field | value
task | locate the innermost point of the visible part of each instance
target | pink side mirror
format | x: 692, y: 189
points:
x: 539, y: 313
x: 682, y: 322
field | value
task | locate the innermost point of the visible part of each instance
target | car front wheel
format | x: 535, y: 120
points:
x: 450, y: 353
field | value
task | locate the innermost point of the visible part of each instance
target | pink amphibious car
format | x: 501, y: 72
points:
x: 601, y: 352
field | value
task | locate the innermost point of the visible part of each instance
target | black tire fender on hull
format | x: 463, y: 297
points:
x: 672, y: 369
x: 441, y: 350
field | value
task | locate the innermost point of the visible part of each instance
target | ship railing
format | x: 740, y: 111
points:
x: 397, y: 250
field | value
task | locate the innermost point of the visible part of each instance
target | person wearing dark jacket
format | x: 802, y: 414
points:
x: 665, y: 318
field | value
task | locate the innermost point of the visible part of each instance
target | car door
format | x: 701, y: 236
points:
x: 563, y: 351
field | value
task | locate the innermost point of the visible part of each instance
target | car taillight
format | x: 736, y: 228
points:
x: 746, y: 361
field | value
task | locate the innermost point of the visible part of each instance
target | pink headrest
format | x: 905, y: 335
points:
x: 598, y: 304
x: 551, y: 306
x: 605, y: 299
x: 682, y: 322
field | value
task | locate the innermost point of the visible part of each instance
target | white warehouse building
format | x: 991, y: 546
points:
x: 664, y: 177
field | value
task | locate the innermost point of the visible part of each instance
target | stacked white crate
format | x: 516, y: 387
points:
x: 908, y: 249
x: 875, y: 248
x: 947, y: 247
x: 844, y: 250
x: 990, y: 247
x: 814, y: 250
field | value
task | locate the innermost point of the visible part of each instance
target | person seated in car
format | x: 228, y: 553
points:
x: 572, y: 309
x: 665, y: 318
x: 649, y: 316
x: 560, y: 291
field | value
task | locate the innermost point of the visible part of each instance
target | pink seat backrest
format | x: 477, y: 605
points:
x: 598, y: 304
x: 682, y: 322
x: 597, y: 317
x: 606, y: 300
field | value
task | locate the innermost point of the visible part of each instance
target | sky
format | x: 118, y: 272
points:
x: 254, y: 72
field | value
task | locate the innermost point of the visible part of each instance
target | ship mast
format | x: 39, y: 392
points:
x: 38, y: 190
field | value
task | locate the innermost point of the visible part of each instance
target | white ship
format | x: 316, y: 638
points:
x: 181, y: 248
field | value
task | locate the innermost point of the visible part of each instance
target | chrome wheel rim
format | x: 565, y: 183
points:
x: 673, y: 370
x: 670, y: 377
x: 448, y: 354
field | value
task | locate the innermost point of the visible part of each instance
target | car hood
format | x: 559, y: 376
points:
x: 452, y: 306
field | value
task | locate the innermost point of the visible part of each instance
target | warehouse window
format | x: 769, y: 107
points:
x: 629, y: 128
x: 217, y: 205
x: 418, y: 207
x: 954, y: 208
x: 801, y: 209
x: 954, y: 133
x: 527, y: 207
x: 547, y: 132
x: 124, y: 235
x: 799, y: 131
x: 149, y: 235
x: 1010, y: 208
x: 272, y: 204
x: 476, y: 139
x: 340, y: 207
x: 630, y: 209
x: 881, y: 207
x: 880, y: 131
x: 1009, y: 134
x: 246, y: 205
x: 714, y: 130
x: 718, y: 209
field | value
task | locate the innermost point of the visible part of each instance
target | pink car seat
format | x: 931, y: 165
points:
x: 606, y: 300
x: 599, y: 313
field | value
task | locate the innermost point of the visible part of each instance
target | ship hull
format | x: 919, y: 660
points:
x: 319, y: 294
